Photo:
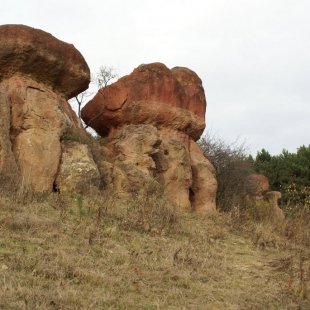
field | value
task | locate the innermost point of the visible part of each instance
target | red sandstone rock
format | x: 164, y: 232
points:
x: 204, y: 186
x: 274, y: 212
x: 256, y: 185
x: 43, y: 58
x: 36, y: 130
x: 37, y: 74
x: 265, y: 203
x: 173, y: 101
x: 173, y: 171
x: 151, y: 94
x: 192, y: 85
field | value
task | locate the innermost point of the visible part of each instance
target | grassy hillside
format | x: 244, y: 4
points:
x: 70, y: 253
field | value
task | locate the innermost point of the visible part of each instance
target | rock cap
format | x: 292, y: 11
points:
x: 42, y: 57
x: 152, y: 94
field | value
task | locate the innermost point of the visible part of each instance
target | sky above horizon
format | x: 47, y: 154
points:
x: 253, y: 56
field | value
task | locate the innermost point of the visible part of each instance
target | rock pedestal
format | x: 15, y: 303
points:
x: 257, y: 186
x: 38, y: 74
x: 173, y: 103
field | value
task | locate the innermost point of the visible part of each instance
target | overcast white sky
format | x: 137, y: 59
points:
x: 253, y: 56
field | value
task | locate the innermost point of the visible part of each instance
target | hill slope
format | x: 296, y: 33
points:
x: 73, y: 254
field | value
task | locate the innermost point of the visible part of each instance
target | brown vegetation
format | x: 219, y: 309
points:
x: 89, y: 253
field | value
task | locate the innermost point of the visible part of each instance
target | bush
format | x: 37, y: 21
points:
x: 232, y: 165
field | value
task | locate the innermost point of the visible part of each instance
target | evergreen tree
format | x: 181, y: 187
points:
x: 288, y: 173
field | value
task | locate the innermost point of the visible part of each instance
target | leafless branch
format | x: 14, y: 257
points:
x: 103, y: 78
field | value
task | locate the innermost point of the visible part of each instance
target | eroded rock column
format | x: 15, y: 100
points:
x: 38, y: 75
x: 172, y: 101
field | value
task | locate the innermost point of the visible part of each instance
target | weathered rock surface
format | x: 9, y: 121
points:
x: 150, y: 121
x: 275, y: 213
x: 77, y: 171
x: 173, y: 171
x: 172, y: 101
x: 192, y: 85
x: 204, y: 186
x: 40, y: 56
x: 256, y: 185
x: 38, y: 73
x: 115, y: 182
x: 135, y: 145
x: 266, y: 203
x: 152, y: 95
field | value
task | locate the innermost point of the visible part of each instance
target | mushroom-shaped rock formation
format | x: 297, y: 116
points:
x: 38, y: 73
x: 40, y: 56
x: 265, y: 203
x: 256, y: 185
x: 173, y: 102
x: 274, y: 212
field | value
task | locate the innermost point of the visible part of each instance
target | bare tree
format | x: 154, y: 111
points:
x: 232, y: 165
x: 80, y: 98
x: 104, y: 76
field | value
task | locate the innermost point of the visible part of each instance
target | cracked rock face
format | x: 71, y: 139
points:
x: 173, y: 103
x: 152, y: 94
x: 40, y: 56
x: 38, y: 74
x: 151, y: 120
x: 78, y: 171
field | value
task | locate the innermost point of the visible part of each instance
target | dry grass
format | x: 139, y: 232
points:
x: 63, y: 253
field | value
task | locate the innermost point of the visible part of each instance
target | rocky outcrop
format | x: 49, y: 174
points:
x: 38, y: 74
x: 173, y: 103
x: 77, y: 170
x: 256, y: 185
x: 266, y: 203
x: 173, y: 171
x: 274, y: 212
x: 204, y: 183
x: 149, y: 121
